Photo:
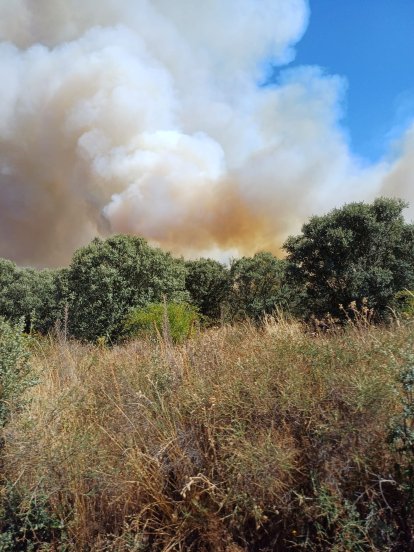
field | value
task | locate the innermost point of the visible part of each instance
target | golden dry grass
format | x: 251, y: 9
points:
x: 225, y: 443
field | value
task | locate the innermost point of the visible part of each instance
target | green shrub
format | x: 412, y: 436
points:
x: 401, y: 435
x: 33, y: 295
x: 174, y: 321
x: 28, y: 524
x: 257, y: 287
x: 109, y: 277
x: 207, y: 282
x: 15, y: 375
x: 405, y: 303
x: 355, y: 252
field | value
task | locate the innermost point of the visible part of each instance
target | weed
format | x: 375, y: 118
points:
x: 27, y: 524
x: 174, y: 321
x: 241, y: 438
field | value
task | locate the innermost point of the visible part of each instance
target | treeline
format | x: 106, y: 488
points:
x: 361, y: 254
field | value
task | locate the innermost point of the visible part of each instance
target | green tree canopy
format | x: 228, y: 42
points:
x: 207, y: 283
x: 109, y: 277
x: 358, y: 251
x: 256, y: 286
x: 31, y: 295
x: 8, y: 276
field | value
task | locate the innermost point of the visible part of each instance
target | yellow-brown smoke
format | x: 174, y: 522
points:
x: 146, y: 117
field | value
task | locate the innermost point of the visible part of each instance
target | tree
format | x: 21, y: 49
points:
x: 8, y: 276
x: 356, y: 252
x: 108, y: 278
x: 30, y: 295
x: 256, y: 286
x: 47, y: 299
x: 207, y: 283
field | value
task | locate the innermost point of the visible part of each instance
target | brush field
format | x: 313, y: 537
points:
x: 240, y: 439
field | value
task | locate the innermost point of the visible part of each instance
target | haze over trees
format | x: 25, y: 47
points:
x: 360, y: 252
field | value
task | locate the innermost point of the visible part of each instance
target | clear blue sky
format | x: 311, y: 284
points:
x: 371, y: 43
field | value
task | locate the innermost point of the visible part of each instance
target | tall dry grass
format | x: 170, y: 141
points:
x: 240, y: 439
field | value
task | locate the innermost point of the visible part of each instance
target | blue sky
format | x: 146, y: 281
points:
x: 371, y: 44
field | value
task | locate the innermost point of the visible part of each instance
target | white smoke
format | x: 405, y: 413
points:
x: 146, y: 116
x: 399, y: 179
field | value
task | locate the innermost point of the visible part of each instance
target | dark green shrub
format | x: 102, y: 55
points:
x: 32, y: 295
x: 405, y: 303
x: 28, y: 524
x: 207, y: 282
x: 109, y: 277
x: 172, y: 320
x: 257, y: 286
x: 15, y: 376
x: 401, y: 436
x: 355, y: 252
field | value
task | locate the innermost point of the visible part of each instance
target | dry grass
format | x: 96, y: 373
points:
x: 240, y: 439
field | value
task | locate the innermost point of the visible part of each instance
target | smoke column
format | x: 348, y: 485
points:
x: 147, y: 117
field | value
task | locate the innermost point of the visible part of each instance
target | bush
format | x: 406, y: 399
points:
x: 14, y: 367
x: 33, y: 295
x: 174, y: 321
x: 401, y: 437
x: 109, y: 277
x: 257, y: 286
x: 405, y: 303
x: 356, y: 252
x: 207, y: 283
x: 28, y: 524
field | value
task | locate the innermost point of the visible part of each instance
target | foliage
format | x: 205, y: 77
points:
x: 356, y: 252
x: 360, y: 255
x: 172, y: 320
x: 401, y: 435
x: 207, y: 283
x: 338, y: 524
x: 260, y: 439
x: 28, y: 525
x: 257, y: 286
x: 405, y: 303
x: 31, y: 295
x: 109, y: 277
x: 15, y: 375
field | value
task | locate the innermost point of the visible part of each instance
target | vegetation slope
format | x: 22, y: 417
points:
x: 240, y: 439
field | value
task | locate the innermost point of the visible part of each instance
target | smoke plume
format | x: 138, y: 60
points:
x: 148, y: 117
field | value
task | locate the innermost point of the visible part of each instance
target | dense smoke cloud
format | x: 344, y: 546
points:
x: 146, y: 116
